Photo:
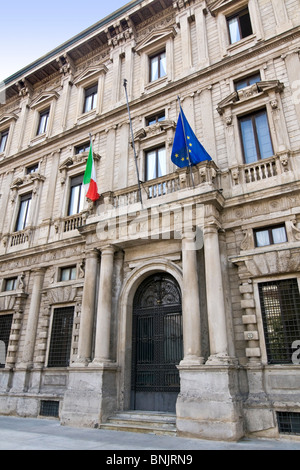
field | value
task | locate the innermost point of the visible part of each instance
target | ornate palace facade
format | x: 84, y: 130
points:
x: 185, y: 303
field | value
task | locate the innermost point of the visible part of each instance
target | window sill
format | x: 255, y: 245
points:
x: 38, y: 138
x: 237, y: 46
x: 86, y: 116
x: 156, y: 83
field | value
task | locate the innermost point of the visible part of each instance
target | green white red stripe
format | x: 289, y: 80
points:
x: 89, y: 178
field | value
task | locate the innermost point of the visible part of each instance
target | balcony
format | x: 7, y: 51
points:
x: 203, y: 175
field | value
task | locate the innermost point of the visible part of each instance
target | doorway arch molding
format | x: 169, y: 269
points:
x: 130, y: 285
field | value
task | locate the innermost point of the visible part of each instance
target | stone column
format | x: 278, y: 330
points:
x: 190, y: 301
x: 215, y: 295
x: 87, y: 309
x: 186, y: 47
x: 203, y: 57
x: 33, y: 316
x: 102, y: 345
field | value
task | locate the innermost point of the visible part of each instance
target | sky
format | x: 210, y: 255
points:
x: 33, y: 28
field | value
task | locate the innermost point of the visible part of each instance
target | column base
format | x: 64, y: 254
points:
x: 209, y: 405
x: 191, y: 360
x: 221, y: 359
x: 91, y: 396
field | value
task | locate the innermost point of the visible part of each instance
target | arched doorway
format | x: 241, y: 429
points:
x: 157, y: 344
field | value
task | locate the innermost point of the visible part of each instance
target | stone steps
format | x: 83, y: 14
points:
x: 142, y: 421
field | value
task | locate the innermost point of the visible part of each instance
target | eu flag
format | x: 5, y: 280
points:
x: 187, y: 149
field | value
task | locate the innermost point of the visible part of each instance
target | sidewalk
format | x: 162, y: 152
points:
x: 48, y: 434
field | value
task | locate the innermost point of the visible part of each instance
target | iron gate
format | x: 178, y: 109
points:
x: 157, y: 344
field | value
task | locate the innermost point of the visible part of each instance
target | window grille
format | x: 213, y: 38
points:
x: 5, y: 327
x: 61, y: 337
x: 288, y: 422
x: 280, y: 306
x: 49, y: 408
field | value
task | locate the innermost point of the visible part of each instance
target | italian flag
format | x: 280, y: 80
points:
x: 89, y: 178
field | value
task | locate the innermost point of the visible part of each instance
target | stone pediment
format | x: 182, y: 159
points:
x: 90, y: 73
x: 250, y: 91
x: 214, y: 6
x: 155, y: 38
x: 44, y: 98
x: 7, y: 119
x: 154, y: 129
x: 27, y: 179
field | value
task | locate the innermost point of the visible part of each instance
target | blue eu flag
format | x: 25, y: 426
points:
x: 187, y: 149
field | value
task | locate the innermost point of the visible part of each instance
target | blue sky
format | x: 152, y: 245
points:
x: 33, y: 28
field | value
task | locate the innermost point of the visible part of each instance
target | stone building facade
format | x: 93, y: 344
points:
x: 186, y: 302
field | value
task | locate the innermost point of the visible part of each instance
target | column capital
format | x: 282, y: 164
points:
x: 211, y: 226
x: 39, y: 270
x: 107, y: 249
x: 91, y: 253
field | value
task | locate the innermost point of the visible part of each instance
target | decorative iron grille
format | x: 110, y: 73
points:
x: 61, y: 337
x: 49, y: 408
x: 280, y: 306
x: 157, y: 335
x: 288, y: 422
x: 5, y: 327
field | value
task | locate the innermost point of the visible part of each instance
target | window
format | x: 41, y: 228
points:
x: 76, y: 195
x: 280, y: 307
x: 82, y: 148
x: 32, y: 169
x: 5, y: 326
x: 158, y: 66
x: 90, y: 98
x: 68, y: 274
x: 24, y: 212
x: 288, y: 422
x: 10, y: 284
x: 49, y: 408
x: 247, y: 81
x: 43, y: 122
x: 61, y: 337
x: 155, y: 118
x: 239, y: 26
x: 256, y: 137
x: 270, y: 235
x: 3, y: 140
x: 156, y: 163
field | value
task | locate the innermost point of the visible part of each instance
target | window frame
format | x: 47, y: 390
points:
x: 266, y: 329
x: 4, y: 336
x: 157, y: 55
x: 246, y: 78
x: 3, y: 134
x: 26, y: 219
x: 32, y: 169
x: 71, y: 270
x: 82, y: 148
x: 80, y: 203
x: 156, y: 150
x: 269, y: 229
x: 238, y: 15
x: 42, y: 127
x: 155, y: 118
x: 14, y: 284
x: 65, y: 341
x: 252, y: 115
x: 94, y: 95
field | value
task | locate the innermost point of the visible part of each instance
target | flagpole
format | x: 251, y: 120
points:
x: 185, y: 139
x: 133, y: 145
